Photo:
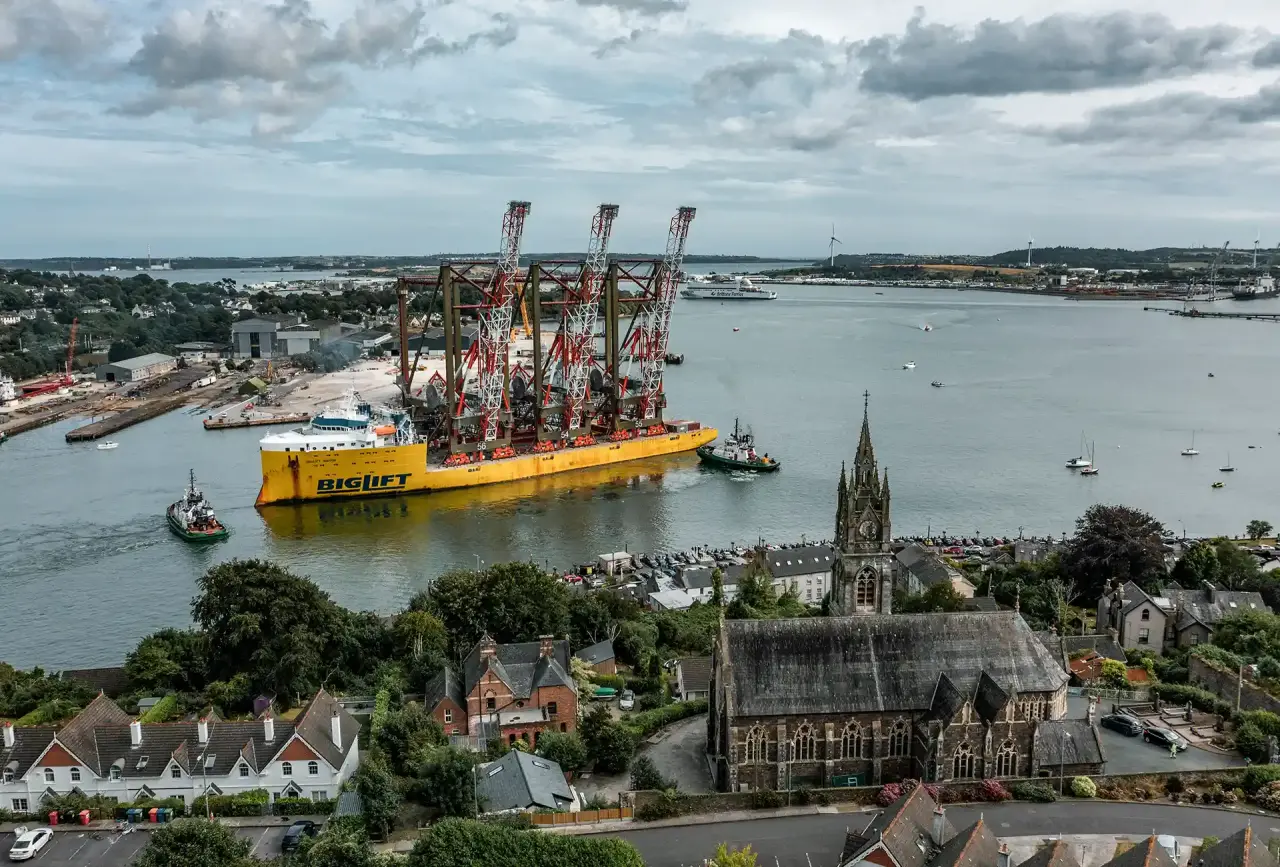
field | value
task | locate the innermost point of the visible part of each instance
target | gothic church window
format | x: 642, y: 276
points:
x: 756, y: 748
x: 963, y: 762
x: 853, y: 742
x: 896, y: 742
x: 1007, y: 760
x: 865, y: 589
x: 804, y: 744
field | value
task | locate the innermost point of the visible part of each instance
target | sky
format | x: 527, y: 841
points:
x: 385, y: 127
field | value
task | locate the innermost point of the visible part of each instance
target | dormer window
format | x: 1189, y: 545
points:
x: 142, y: 763
x: 244, y: 770
x: 175, y: 772
x: 1146, y: 614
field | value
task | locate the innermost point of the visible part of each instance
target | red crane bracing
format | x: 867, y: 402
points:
x: 648, y: 342
x: 574, y: 346
x: 488, y: 356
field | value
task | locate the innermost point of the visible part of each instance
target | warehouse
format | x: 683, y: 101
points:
x: 137, y: 369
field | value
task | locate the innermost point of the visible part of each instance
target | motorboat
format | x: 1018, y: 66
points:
x: 108, y: 445
x: 1216, y: 485
x: 910, y: 365
x: 936, y: 384
x: 1190, y: 450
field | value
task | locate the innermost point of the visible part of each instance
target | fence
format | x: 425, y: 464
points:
x: 582, y: 817
x: 1117, y: 694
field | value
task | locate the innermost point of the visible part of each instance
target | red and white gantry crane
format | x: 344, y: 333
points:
x: 648, y: 343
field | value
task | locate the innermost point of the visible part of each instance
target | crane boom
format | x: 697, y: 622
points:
x: 651, y: 337
x: 71, y: 347
x: 578, y: 322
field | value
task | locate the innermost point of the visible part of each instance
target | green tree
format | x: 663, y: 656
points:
x: 755, y: 598
x: 1198, y: 565
x: 446, y: 780
x: 463, y: 843
x: 645, y: 776
x: 379, y: 795
x: 1237, y: 568
x: 421, y: 638
x: 339, y: 846
x: 508, y: 601
x: 169, y: 660
x: 194, y: 843
x: 1114, y: 542
x: 405, y: 733
x: 636, y: 640
x: 566, y: 749
x: 936, y: 597
x: 1258, y: 529
x: 727, y: 856
x: 609, y: 745
x: 717, y: 587
x: 1115, y: 674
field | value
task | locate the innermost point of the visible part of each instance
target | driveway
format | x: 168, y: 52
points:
x: 680, y: 755
x: 1133, y: 755
x: 80, y: 849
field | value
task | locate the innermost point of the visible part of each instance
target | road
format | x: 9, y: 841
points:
x: 799, y: 841
x: 80, y: 849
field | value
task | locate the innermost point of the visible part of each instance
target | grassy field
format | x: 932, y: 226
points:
x: 968, y: 269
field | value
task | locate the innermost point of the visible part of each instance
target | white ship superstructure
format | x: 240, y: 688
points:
x: 741, y: 290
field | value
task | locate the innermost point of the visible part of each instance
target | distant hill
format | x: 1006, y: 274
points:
x: 1103, y: 258
x: 325, y: 263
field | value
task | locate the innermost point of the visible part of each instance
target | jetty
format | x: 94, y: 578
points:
x: 128, y: 418
x: 223, y: 423
x: 1201, y: 314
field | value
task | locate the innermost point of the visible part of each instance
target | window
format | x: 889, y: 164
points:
x: 286, y: 768
x: 552, y: 709
x: 1144, y: 636
x: 175, y: 772
x: 448, y: 715
x: 313, y: 768
x: 75, y: 775
x: 8, y: 776
x: 244, y: 770
x: 1195, y: 639
x: 563, y: 727
x: 865, y: 589
x: 803, y: 744
x: 1007, y: 760
x: 20, y: 805
x: 115, y: 774
x: 511, y: 738
x: 1146, y: 614
x: 756, y: 747
x: 896, y: 742
x: 962, y: 763
x: 48, y: 775
x: 853, y: 742
x: 489, y: 702
x: 319, y: 795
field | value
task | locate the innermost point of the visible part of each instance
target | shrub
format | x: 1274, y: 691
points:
x: 461, y: 842
x: 992, y: 790
x: 1201, y: 699
x: 1268, y: 797
x: 1037, y: 793
x: 1174, y: 784
x: 161, y: 711
x: 1211, y: 840
x: 668, y: 805
x: 802, y: 797
x: 765, y: 799
x: 645, y: 776
x: 612, y: 681
x: 1251, y: 741
x: 302, y: 807
x: 889, y: 793
x: 647, y: 722
x: 1258, y: 776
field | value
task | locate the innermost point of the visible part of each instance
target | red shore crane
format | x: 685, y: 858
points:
x: 36, y: 389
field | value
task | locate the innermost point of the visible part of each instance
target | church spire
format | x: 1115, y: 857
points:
x: 842, y: 499
x: 866, y: 456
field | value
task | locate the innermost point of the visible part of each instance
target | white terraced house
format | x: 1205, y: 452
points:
x: 104, y: 751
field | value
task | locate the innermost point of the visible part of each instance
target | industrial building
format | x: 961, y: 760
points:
x: 200, y: 350
x: 257, y: 337
x: 137, y: 369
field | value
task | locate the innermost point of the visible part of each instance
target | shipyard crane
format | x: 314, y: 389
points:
x: 488, y: 354
x: 574, y: 346
x: 71, y: 348
x: 648, y: 343
x: 1213, y: 270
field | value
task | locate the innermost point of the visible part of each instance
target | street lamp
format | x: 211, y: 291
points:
x: 1062, y: 761
x: 479, y: 562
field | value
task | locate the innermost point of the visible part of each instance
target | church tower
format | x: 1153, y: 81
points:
x: 863, y: 571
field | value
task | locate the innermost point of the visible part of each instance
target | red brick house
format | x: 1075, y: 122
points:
x: 511, y: 691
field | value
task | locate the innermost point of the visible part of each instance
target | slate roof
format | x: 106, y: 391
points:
x: 519, y: 781
x: 809, y: 560
x: 313, y: 726
x: 696, y: 577
x: 1148, y: 853
x: 445, y: 684
x: 29, y: 743
x: 975, y: 846
x: 881, y: 662
x: 596, y: 653
x: 1056, y: 854
x: 1103, y: 645
x: 1133, y: 596
x: 1196, y: 606
x: 926, y: 566
x: 1075, y: 738
x: 78, y: 736
x: 1242, y: 849
x: 899, y: 826
x: 113, y: 680
x: 521, y: 667
x: 982, y: 603
x: 695, y: 673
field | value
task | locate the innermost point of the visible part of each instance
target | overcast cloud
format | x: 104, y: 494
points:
x: 403, y: 126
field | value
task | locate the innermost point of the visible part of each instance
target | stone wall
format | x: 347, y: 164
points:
x: 1225, y: 684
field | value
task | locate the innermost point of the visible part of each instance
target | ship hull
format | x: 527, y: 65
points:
x: 294, y: 477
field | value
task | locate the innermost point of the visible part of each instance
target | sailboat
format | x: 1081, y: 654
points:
x: 1092, y: 469
x: 1190, y: 450
x: 1227, y: 468
x: 1077, y: 463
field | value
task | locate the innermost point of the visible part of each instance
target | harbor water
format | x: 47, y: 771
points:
x: 87, y: 566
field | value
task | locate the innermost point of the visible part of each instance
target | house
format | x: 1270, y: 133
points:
x: 512, y: 691
x: 613, y: 564
x: 137, y: 369
x: 1147, y: 853
x: 914, y: 832
x: 1138, y: 619
x: 805, y: 570
x: 1195, y: 613
x: 104, y: 751
x: 699, y: 581
x: 1029, y: 551
x: 600, y: 657
x: 879, y: 697
x: 141, y: 311
x: 520, y: 782
x: 1068, y: 747
x: 919, y: 569
x: 1242, y: 849
x: 10, y: 318
x: 113, y: 680
x: 671, y: 600
x: 693, y: 677
x: 199, y: 350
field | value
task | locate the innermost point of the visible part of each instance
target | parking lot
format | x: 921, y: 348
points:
x: 1131, y: 755
x: 81, y: 849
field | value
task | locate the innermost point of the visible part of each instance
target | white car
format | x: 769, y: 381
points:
x: 29, y: 843
x: 628, y: 700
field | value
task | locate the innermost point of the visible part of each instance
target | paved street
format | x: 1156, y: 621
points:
x: 802, y: 840
x: 680, y: 756
x: 80, y: 849
x: 1126, y: 755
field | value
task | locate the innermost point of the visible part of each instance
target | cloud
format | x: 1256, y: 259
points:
x: 1060, y: 53
x: 282, y: 62
x: 64, y: 30
x: 1268, y: 56
x: 1173, y: 118
x: 640, y: 7
x: 620, y: 42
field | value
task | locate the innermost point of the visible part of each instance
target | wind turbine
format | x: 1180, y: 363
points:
x: 831, y: 244
x: 1030, y: 243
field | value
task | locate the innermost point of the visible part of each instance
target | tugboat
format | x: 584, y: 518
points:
x: 675, y: 358
x: 937, y: 384
x: 738, y: 452
x: 191, y: 518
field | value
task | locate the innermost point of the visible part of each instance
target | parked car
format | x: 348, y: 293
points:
x: 29, y: 843
x: 1165, y: 738
x: 293, y: 836
x: 628, y: 700
x: 1122, y: 723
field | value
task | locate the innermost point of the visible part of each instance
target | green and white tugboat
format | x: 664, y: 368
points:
x: 738, y: 452
x: 191, y: 518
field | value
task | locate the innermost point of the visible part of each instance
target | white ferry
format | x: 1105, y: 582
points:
x: 352, y: 424
x: 741, y: 290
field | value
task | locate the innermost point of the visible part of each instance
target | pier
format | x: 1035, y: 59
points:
x: 1200, y: 314
x: 128, y: 418
x: 221, y: 423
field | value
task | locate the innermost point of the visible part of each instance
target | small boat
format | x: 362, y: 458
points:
x: 192, y: 519
x: 936, y: 384
x: 675, y: 358
x: 1227, y: 468
x: 1211, y: 376
x: 1081, y: 461
x: 737, y: 329
x: 1217, y: 485
x: 738, y: 452
x: 1190, y: 450
x: 879, y: 293
x: 910, y: 365
x: 926, y: 327
x: 108, y: 445
x: 1092, y: 469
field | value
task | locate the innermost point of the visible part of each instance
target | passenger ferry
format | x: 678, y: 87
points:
x: 741, y: 290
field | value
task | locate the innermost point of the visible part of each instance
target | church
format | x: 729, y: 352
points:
x: 866, y: 696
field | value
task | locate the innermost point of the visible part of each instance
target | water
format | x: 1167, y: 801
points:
x: 87, y: 567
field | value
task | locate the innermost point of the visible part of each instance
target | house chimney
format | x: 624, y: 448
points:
x: 202, y: 730
x: 135, y: 733
x: 546, y: 645
x: 1002, y: 858
x: 8, y: 735
x: 488, y: 648
x: 268, y: 728
x: 939, y: 825
x: 1210, y: 591
x: 335, y: 728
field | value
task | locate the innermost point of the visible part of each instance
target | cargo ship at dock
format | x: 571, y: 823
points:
x: 588, y: 397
